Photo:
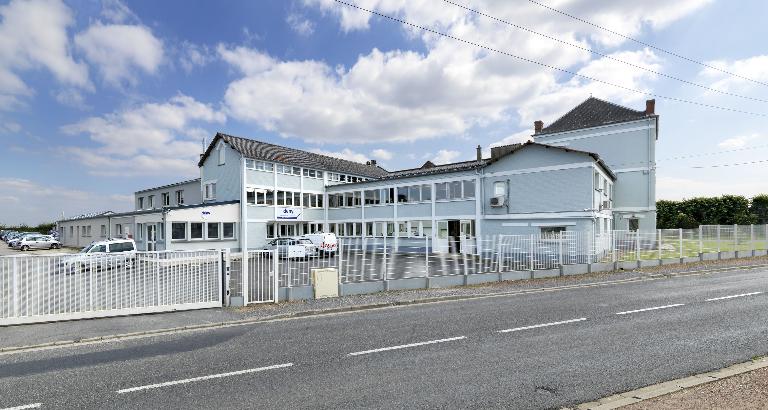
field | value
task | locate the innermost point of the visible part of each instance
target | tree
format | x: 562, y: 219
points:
x: 759, y: 208
x: 685, y: 221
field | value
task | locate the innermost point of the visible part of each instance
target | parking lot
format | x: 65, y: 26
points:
x: 5, y: 250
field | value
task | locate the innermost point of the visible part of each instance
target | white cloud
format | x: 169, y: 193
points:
x: 753, y: 68
x: 147, y: 139
x: 382, y: 154
x: 33, y: 35
x: 516, y: 138
x: 445, y: 156
x: 119, y: 50
x: 193, y: 55
x: 71, y: 97
x: 116, y: 11
x: 9, y: 127
x: 450, y: 87
x: 740, y: 141
x: 32, y: 202
x: 300, y: 24
x: 346, y: 153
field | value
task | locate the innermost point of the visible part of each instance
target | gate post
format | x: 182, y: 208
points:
x: 227, y: 264
x: 718, y: 241
x: 680, y: 231
x: 384, y: 260
x: 701, y: 242
x: 276, y: 276
x: 426, y: 254
x: 752, y: 238
x: 530, y: 248
x: 637, y: 246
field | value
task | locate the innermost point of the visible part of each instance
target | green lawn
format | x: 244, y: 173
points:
x: 691, y: 248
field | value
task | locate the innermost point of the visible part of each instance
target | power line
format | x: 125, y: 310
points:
x: 672, y: 53
x: 682, y: 80
x: 732, y: 164
x: 704, y: 154
x: 552, y: 67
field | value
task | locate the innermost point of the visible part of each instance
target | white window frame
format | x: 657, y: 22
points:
x: 207, y: 192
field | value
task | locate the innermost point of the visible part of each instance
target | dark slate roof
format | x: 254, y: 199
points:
x: 436, y: 169
x: 593, y: 112
x: 276, y: 153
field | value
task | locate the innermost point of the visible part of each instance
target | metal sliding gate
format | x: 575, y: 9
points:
x: 62, y: 287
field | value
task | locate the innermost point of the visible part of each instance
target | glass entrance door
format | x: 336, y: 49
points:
x: 151, y: 237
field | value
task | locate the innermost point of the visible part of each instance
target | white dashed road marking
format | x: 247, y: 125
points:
x: 197, y: 379
x: 384, y: 349
x: 650, y: 308
x: 734, y: 296
x: 543, y: 325
x: 26, y: 406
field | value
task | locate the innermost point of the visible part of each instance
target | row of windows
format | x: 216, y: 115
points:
x: 202, y: 230
x: 406, y: 194
x: 282, y: 169
x: 165, y: 200
x: 283, y: 198
x: 288, y: 230
x: 336, y: 177
x: 400, y: 229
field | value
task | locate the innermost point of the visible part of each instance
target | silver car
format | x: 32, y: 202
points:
x: 37, y: 242
x: 292, y: 247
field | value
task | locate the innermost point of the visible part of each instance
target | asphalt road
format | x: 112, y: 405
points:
x: 543, y: 350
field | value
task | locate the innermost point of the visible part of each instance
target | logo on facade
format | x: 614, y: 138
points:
x: 287, y: 214
x: 205, y: 214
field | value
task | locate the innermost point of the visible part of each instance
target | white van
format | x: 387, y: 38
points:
x: 101, y: 255
x: 326, y: 243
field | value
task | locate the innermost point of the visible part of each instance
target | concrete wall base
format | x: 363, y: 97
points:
x: 411, y: 283
x: 236, y: 301
x: 446, y: 281
x: 482, y: 278
x: 653, y: 262
x: 727, y: 255
x: 568, y: 270
x: 604, y: 267
x: 361, y: 288
x: 546, y: 273
x: 515, y: 275
x: 709, y: 256
x: 669, y: 261
x: 628, y: 265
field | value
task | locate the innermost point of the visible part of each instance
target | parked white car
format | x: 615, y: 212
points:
x: 326, y: 243
x: 101, y: 255
x: 36, y: 242
x: 292, y: 247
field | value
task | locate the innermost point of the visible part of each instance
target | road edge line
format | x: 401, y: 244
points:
x: 662, y: 389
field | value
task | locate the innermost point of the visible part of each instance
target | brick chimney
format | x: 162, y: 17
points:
x: 538, y: 126
x: 479, y: 153
x: 650, y: 107
x: 371, y: 163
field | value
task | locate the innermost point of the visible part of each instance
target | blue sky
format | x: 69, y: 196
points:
x: 103, y: 98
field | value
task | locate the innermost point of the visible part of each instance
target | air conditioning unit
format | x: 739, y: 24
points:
x: 498, y: 201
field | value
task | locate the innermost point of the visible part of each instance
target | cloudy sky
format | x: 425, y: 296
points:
x: 102, y: 98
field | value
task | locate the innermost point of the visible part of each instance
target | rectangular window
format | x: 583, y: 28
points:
x: 499, y: 188
x: 349, y: 199
x: 289, y: 198
x: 552, y: 230
x: 222, y: 154
x: 441, y: 191
x: 371, y: 197
x: 469, y: 189
x: 269, y: 198
x: 209, y: 191
x: 402, y: 194
x: 166, y: 199
x: 72, y: 231
x: 634, y: 224
x: 151, y: 202
x: 179, y: 230
x: 426, y: 228
x: 103, y: 231
x: 402, y: 229
x: 271, y: 230
x: 426, y: 193
x: 180, y: 197
x: 250, y: 196
x: 213, y: 230
x: 141, y: 202
x: 357, y: 198
x: 228, y: 230
x: 455, y: 190
x: 280, y: 198
x: 414, y: 193
x: 195, y: 230
x: 369, y: 229
x: 140, y: 231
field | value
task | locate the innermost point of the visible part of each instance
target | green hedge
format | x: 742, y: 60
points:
x: 723, y: 210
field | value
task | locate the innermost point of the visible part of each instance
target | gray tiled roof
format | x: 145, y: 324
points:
x: 593, y: 112
x: 436, y: 169
x: 270, y: 152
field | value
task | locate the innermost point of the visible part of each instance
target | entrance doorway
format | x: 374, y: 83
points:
x: 151, y: 237
x: 454, y: 236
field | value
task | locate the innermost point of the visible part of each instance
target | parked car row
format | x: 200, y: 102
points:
x: 25, y: 241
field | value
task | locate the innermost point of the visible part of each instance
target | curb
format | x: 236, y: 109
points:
x: 350, y: 309
x: 672, y: 386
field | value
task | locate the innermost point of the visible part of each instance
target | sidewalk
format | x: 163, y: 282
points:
x: 75, y: 331
x: 744, y: 391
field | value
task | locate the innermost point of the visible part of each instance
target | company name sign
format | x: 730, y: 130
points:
x: 287, y: 213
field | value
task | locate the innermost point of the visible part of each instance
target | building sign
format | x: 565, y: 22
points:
x: 205, y: 214
x: 285, y: 213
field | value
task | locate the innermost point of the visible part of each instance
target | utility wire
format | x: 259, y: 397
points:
x: 624, y: 36
x: 609, y: 57
x: 732, y: 164
x: 704, y: 154
x: 552, y: 67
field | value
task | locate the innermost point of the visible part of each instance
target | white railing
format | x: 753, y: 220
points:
x: 38, y: 288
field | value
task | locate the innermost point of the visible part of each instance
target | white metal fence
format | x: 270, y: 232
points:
x: 382, y: 258
x: 41, y: 288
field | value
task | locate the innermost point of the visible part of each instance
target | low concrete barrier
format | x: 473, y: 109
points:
x: 446, y: 281
x: 361, y: 288
x: 568, y: 270
x: 653, y: 262
x: 516, y: 275
x: 546, y: 273
x: 479, y: 278
x: 606, y: 266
